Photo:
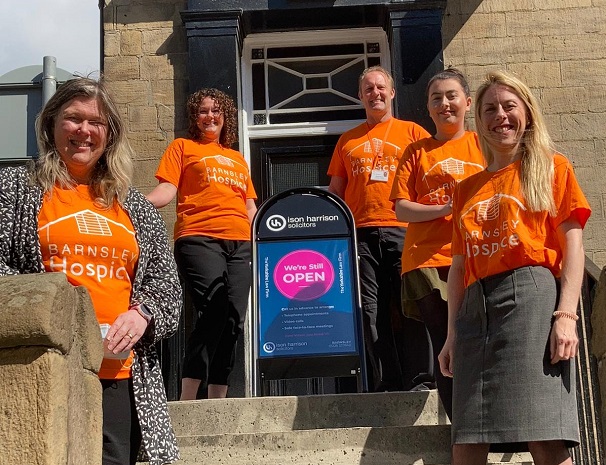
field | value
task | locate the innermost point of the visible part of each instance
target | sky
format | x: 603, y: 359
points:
x: 66, y: 29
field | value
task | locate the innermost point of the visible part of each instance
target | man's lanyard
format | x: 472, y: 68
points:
x: 378, y: 173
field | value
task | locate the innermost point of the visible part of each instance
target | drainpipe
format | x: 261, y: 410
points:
x: 49, y: 78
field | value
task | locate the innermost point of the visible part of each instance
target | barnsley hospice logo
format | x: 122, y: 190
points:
x: 83, y: 256
x: 491, y: 225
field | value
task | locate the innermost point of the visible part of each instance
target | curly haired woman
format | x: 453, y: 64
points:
x: 215, y: 205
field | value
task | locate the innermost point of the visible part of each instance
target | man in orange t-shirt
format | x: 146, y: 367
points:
x: 362, y: 171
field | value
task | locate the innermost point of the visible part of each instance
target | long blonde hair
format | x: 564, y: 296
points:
x: 112, y: 175
x: 537, y: 146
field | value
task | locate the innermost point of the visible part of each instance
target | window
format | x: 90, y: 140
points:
x: 307, y: 78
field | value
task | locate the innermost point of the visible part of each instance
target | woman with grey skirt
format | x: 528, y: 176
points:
x: 514, y: 285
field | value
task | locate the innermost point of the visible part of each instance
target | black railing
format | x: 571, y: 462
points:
x: 591, y: 449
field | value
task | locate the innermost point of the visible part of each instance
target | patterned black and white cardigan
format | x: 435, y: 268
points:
x: 156, y: 285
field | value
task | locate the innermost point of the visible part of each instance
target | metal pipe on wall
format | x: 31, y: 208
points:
x: 49, y: 78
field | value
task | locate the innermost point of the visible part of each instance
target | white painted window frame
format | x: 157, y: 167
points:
x: 248, y: 130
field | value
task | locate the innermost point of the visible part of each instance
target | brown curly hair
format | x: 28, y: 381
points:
x: 229, y: 132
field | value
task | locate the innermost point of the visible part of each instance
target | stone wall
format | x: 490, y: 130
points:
x: 554, y: 45
x: 50, y: 353
x: 145, y: 62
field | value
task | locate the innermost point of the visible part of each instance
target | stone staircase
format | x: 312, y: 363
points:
x: 396, y: 428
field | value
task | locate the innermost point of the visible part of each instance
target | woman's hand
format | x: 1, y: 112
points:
x: 128, y: 328
x: 446, y: 357
x: 456, y: 293
x: 563, y: 340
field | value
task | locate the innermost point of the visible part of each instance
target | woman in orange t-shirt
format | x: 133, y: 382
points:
x: 215, y: 206
x: 512, y: 332
x: 74, y: 211
x: 422, y: 191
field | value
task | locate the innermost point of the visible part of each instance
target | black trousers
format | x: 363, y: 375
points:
x: 397, y: 348
x: 121, y: 431
x: 216, y: 277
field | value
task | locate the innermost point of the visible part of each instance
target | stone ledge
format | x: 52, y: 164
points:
x: 37, y: 310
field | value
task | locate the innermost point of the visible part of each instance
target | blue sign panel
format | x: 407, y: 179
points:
x: 306, y: 299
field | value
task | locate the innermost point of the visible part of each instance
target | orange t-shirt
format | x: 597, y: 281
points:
x: 494, y: 230
x: 213, y: 185
x: 95, y: 248
x: 353, y: 159
x: 428, y: 173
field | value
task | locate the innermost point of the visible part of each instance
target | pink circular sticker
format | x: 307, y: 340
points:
x: 304, y: 275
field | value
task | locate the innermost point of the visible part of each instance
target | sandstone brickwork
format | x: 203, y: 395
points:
x: 554, y: 45
x: 145, y: 62
x: 50, y: 353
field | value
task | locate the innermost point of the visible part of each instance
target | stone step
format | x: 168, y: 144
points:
x: 395, y: 428
x: 406, y: 445
x: 411, y: 445
x: 278, y: 414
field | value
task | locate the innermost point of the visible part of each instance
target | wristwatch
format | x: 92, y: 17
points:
x: 143, y: 311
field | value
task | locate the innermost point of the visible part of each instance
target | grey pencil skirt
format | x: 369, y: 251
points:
x: 505, y: 388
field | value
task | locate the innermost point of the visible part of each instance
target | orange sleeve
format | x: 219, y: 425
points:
x: 458, y: 243
x: 419, y: 132
x: 403, y: 185
x: 336, y: 167
x: 171, y: 163
x: 250, y: 189
x: 569, y: 198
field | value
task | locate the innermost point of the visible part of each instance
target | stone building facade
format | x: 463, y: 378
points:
x: 155, y: 53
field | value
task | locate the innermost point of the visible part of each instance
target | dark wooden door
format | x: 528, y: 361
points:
x: 285, y: 163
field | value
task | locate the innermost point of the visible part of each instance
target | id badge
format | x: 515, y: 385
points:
x: 106, y: 353
x: 379, y: 175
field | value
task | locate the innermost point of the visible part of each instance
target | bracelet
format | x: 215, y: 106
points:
x: 561, y: 313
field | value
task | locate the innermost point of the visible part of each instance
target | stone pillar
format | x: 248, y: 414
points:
x: 50, y: 353
x: 214, y: 42
x: 416, y: 55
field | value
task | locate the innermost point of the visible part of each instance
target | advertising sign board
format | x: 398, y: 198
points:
x: 306, y: 319
x: 306, y: 298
